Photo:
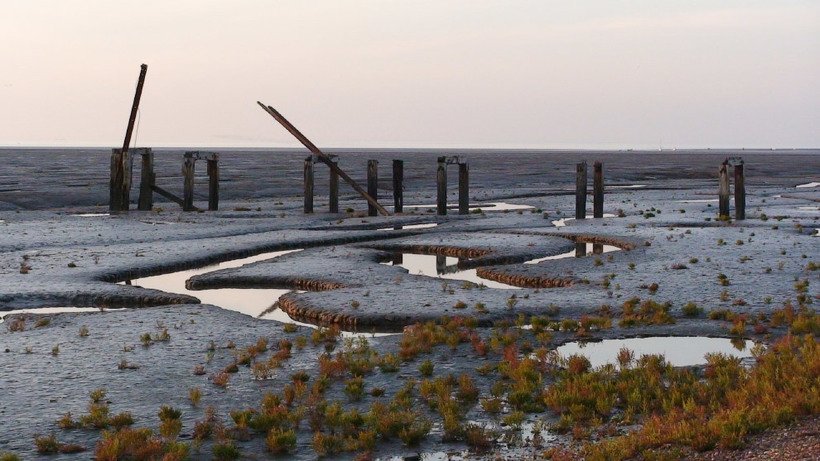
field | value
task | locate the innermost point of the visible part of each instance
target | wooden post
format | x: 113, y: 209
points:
x: 188, y: 167
x: 723, y: 190
x: 581, y: 190
x: 441, y: 187
x: 740, y: 192
x: 463, y: 188
x: 398, y: 186
x: 398, y: 258
x: 213, y: 182
x: 372, y: 185
x: 598, y: 190
x: 441, y: 264
x: 115, y: 182
x: 333, y: 193
x: 147, y: 179
x: 309, y: 184
x: 120, y: 182
x: 134, y: 108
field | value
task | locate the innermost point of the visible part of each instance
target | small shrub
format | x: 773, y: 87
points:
x: 426, y: 368
x: 47, y: 445
x: 280, y: 441
x: 691, y: 310
x: 194, y: 395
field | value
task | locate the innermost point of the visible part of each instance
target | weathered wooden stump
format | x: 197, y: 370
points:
x: 463, y: 188
x: 308, y: 180
x: 723, y: 190
x: 598, y: 190
x: 740, y: 191
x: 120, y: 182
x: 333, y: 186
x: 441, y: 186
x: 581, y: 190
x: 398, y: 186
x: 147, y: 180
x: 372, y: 185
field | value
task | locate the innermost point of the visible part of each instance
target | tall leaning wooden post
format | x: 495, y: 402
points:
x: 213, y: 182
x: 598, y: 190
x: 441, y: 187
x: 147, y: 179
x: 333, y: 189
x: 581, y: 190
x: 398, y: 186
x: 740, y: 192
x: 188, y: 168
x: 723, y: 190
x: 120, y: 183
x: 463, y: 188
x: 372, y: 185
x: 309, y: 184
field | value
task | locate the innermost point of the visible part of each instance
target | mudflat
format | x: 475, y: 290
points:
x: 148, y: 347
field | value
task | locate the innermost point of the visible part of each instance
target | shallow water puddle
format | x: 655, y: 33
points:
x: 589, y: 249
x: 563, y: 221
x: 679, y: 351
x: 700, y: 200
x: 490, y: 206
x: 443, y: 267
x: 249, y: 301
x: 90, y: 215
x: 807, y: 185
x: 409, y: 226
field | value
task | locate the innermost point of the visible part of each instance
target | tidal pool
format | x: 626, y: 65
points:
x: 409, y: 226
x: 443, y: 267
x: 249, y: 301
x: 679, y: 351
x: 588, y: 249
x: 489, y: 206
x: 563, y: 221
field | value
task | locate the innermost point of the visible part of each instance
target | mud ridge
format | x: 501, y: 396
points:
x: 303, y: 312
x: 294, y: 283
x: 135, y: 273
x: 439, y: 250
x: 526, y: 281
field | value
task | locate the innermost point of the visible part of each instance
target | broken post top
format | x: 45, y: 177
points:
x: 452, y: 160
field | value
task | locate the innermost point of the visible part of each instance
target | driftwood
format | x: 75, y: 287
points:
x: 322, y: 157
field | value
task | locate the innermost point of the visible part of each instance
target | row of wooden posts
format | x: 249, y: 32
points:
x: 398, y: 184
x: 122, y: 166
x: 122, y: 163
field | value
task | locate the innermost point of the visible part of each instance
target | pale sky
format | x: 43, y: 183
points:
x: 423, y: 73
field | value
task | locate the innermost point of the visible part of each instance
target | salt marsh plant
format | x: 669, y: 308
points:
x: 195, y: 395
x: 426, y: 368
